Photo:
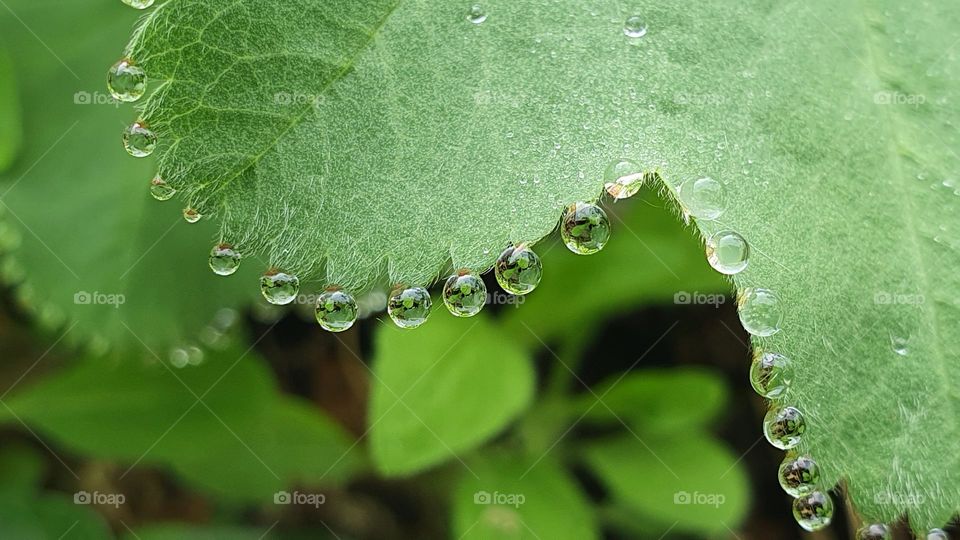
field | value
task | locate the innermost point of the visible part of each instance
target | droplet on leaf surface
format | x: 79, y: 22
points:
x: 728, y: 252
x: 584, y: 228
x: 279, y: 288
x: 623, y: 179
x: 874, y: 531
x: 783, y: 427
x: 634, y: 27
x: 476, y: 14
x: 518, y: 270
x: 771, y: 374
x: 336, y: 310
x: 224, y: 260
x: 464, y: 294
x: 813, y: 512
x: 126, y: 81
x: 139, y: 4
x: 139, y: 141
x: 760, y: 312
x: 937, y: 534
x: 799, y: 475
x: 409, y: 307
x: 703, y: 198
x: 160, y: 190
x: 191, y: 215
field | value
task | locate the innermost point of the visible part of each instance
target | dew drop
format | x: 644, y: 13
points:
x: 635, y: 27
x: 518, y: 270
x: 623, y: 179
x: 409, y: 307
x: 900, y: 345
x: 138, y: 140
x: 874, y: 531
x: 139, y: 4
x: 464, y: 294
x: 126, y: 81
x: 191, y: 215
x: 799, y: 476
x: 704, y: 198
x: 783, y: 427
x: 476, y: 14
x: 224, y: 260
x: 814, y: 511
x: 760, y: 312
x: 336, y: 310
x: 771, y: 374
x: 937, y: 534
x: 728, y: 252
x: 585, y: 228
x: 160, y: 190
x: 279, y: 288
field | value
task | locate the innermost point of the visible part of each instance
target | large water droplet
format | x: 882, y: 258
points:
x: 464, y: 294
x: 409, y: 307
x: 703, y: 198
x: 783, y: 427
x: 476, y: 14
x: 937, y: 534
x: 584, y: 228
x: 279, y: 288
x: 161, y: 190
x: 623, y: 179
x: 728, y: 252
x: 799, y: 476
x: 139, y: 4
x: 191, y: 215
x: 126, y: 81
x: 771, y: 374
x: 760, y: 312
x: 336, y: 310
x: 138, y: 140
x: 874, y: 531
x: 518, y: 270
x: 814, y: 511
x: 634, y: 27
x: 224, y: 260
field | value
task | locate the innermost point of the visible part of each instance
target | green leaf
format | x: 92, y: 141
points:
x: 686, y: 483
x: 511, y: 497
x: 11, y: 132
x: 658, y: 401
x: 79, y: 208
x: 150, y: 415
x: 20, y: 468
x: 442, y: 390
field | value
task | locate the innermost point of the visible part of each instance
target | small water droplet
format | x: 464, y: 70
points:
x: 799, y: 476
x: 160, y: 190
x: 464, y: 294
x: 139, y: 4
x: 126, y: 81
x: 476, y: 14
x: 634, y: 27
x: 409, y: 307
x: 900, y: 344
x: 814, y: 511
x: 138, y: 140
x: 771, y: 374
x: 874, y: 531
x: 279, y: 288
x: 937, y: 534
x: 179, y: 357
x: 584, y: 228
x: 728, y: 252
x: 191, y: 215
x: 783, y: 427
x: 703, y: 198
x: 518, y: 270
x: 336, y: 310
x: 224, y: 260
x: 623, y: 179
x: 760, y: 312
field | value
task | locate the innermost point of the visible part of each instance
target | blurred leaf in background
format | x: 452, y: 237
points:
x: 11, y: 132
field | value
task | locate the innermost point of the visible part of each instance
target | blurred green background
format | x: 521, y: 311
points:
x: 143, y: 397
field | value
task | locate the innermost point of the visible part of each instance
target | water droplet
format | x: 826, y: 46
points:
x: 464, y: 294
x: 179, y: 357
x: 635, y: 27
x: 278, y: 287
x: 814, y: 511
x: 138, y: 140
x: 585, y: 228
x: 900, y: 344
x: 728, y: 252
x: 874, y: 531
x: 704, y: 198
x: 937, y: 534
x: 476, y: 14
x: 161, y: 190
x: 191, y: 215
x: 518, y: 270
x: 783, y: 427
x: 139, y: 4
x: 126, y: 81
x: 224, y: 260
x: 760, y: 312
x: 409, y: 307
x: 771, y: 374
x: 336, y: 310
x: 623, y: 179
x: 799, y: 476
